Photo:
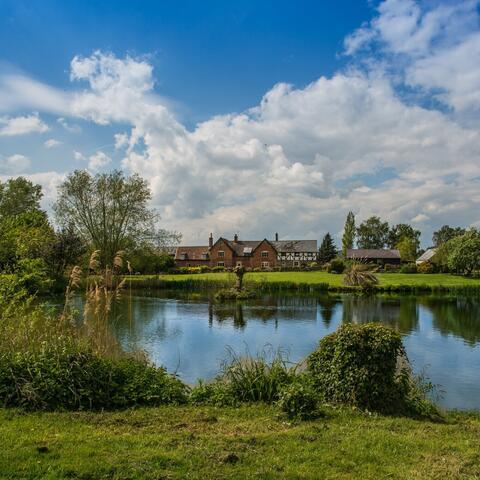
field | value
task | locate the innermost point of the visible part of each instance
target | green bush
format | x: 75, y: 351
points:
x: 298, y: 400
x: 218, y: 268
x: 389, y: 268
x: 59, y: 377
x: 337, y: 265
x: 408, y: 268
x: 426, y: 267
x: 215, y: 393
x: 357, y: 365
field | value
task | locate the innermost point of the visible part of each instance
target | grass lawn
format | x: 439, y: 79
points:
x: 226, y: 443
x: 335, y: 280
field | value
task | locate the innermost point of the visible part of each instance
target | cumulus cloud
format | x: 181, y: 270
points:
x: 22, y: 125
x: 51, y: 143
x: 78, y: 156
x: 13, y: 164
x: 98, y: 160
x: 303, y: 157
x: 72, y: 128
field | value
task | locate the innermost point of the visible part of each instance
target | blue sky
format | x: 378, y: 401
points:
x: 251, y: 116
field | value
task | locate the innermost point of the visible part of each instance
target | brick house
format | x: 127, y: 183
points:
x: 248, y: 253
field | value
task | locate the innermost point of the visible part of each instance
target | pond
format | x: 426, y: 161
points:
x: 189, y: 334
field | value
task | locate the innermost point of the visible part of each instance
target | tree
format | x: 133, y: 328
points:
x: 328, y: 250
x: 408, y: 249
x: 463, y: 252
x: 401, y: 231
x: 372, y: 233
x: 446, y: 233
x: 348, y: 238
x: 19, y: 195
x: 108, y: 210
x: 66, y: 251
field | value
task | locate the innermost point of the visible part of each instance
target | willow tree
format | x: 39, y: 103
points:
x: 109, y: 210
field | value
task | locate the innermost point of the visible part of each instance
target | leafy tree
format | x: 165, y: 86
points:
x: 19, y: 195
x: 66, y: 251
x: 349, y: 230
x: 327, y: 250
x: 401, y: 231
x: 372, y: 233
x: 408, y: 249
x: 446, y: 233
x: 108, y: 210
x: 463, y: 252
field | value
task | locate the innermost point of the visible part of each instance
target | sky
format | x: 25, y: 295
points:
x: 251, y: 117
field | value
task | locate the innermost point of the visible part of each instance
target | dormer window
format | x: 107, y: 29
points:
x: 184, y: 256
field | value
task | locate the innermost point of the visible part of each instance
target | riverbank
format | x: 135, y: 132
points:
x: 246, y: 442
x: 307, y: 281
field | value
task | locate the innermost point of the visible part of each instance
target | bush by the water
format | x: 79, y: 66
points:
x: 299, y: 400
x: 60, y: 378
x: 234, y: 294
x: 366, y: 366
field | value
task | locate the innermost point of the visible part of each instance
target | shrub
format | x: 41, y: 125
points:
x: 234, y: 294
x: 215, y: 393
x: 389, y: 268
x: 337, y: 265
x: 357, y: 365
x: 408, y: 268
x: 218, y: 268
x: 298, y: 400
x: 71, y: 378
x: 360, y: 275
x: 425, y: 267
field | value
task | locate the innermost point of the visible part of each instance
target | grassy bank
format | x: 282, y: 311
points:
x: 304, y: 281
x: 248, y: 442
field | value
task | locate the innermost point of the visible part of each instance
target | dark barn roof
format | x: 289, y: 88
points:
x: 370, y: 253
x: 192, y: 253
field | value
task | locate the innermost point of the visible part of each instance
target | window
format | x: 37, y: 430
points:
x: 296, y: 264
x: 193, y: 256
x: 264, y: 254
x: 221, y: 254
x: 265, y: 264
x: 205, y: 256
x: 220, y: 264
x: 183, y: 256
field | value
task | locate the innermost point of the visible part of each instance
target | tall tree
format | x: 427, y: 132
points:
x: 446, y: 233
x: 372, y: 233
x: 108, y: 210
x: 19, y: 195
x: 403, y: 231
x: 348, y: 238
x: 327, y: 250
x: 408, y: 249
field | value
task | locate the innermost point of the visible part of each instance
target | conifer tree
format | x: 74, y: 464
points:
x: 349, y: 231
x: 328, y: 250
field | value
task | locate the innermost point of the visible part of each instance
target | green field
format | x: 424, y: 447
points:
x: 221, y: 443
x: 334, y: 280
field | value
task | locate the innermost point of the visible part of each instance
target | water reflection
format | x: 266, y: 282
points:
x: 189, y: 333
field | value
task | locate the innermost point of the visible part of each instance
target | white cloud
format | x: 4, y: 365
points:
x: 78, y: 156
x: 14, y: 164
x: 303, y: 157
x: 72, y: 128
x: 98, y: 160
x: 51, y: 143
x: 22, y: 125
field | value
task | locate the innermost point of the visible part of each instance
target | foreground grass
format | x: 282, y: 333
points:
x: 334, y: 280
x: 248, y: 442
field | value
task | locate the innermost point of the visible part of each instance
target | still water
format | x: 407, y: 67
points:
x: 190, y: 335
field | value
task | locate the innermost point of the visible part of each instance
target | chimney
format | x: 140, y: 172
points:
x: 210, y: 241
x: 276, y: 237
x: 235, y: 238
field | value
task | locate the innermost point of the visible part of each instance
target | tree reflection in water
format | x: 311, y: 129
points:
x: 398, y: 312
x: 459, y: 316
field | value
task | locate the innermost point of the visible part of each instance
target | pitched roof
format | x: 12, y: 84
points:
x: 372, y: 253
x: 295, y: 245
x: 427, y: 255
x: 242, y: 247
x: 193, y: 253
